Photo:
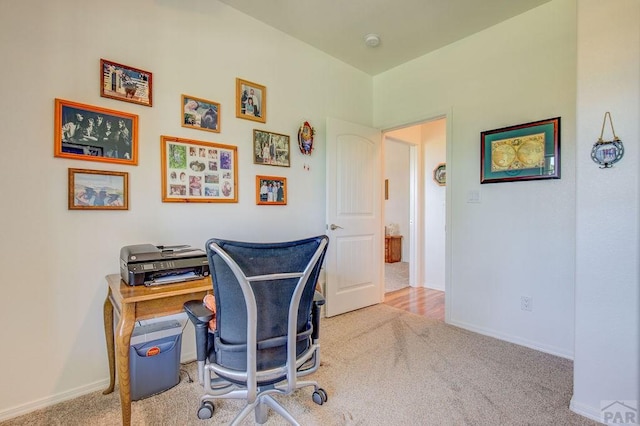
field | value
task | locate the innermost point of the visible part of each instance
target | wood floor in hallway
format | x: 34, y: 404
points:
x: 418, y: 300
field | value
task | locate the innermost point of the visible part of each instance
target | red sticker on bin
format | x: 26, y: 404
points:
x: 154, y: 350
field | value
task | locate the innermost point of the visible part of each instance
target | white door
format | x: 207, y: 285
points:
x: 354, y: 217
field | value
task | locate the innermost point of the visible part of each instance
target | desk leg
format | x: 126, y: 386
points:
x: 108, y: 333
x: 123, y: 339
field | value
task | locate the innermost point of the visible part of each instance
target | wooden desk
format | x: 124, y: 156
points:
x: 134, y: 303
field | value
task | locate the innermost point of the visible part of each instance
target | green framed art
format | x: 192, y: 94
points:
x: 527, y: 151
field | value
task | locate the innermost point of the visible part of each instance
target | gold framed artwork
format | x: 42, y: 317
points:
x: 251, y: 101
x: 126, y: 83
x: 201, y: 114
x: 271, y: 190
x: 86, y: 132
x: 98, y: 190
x: 198, y: 172
x: 529, y: 151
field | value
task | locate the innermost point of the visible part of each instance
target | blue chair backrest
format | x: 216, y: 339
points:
x: 272, y: 296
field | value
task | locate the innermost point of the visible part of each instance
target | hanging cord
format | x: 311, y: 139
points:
x: 604, y: 121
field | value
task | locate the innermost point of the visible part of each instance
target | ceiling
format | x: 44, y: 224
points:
x: 407, y: 28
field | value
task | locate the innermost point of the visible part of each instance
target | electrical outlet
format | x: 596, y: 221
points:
x: 526, y: 303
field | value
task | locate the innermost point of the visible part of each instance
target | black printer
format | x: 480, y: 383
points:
x: 153, y: 265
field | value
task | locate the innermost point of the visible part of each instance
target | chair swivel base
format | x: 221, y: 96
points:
x: 207, y: 408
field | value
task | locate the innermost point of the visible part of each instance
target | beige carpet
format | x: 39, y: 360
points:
x: 381, y: 366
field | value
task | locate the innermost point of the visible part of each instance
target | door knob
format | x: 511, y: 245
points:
x: 333, y: 227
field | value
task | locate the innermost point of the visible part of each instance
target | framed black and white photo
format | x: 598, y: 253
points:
x: 86, y: 132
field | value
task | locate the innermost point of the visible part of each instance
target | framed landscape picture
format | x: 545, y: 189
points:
x: 125, y: 83
x: 271, y: 190
x: 200, y: 114
x: 98, y: 190
x: 198, y: 172
x: 271, y: 149
x: 85, y: 132
x: 251, y: 101
x: 527, y: 151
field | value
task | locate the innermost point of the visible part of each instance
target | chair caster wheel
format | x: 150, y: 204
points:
x: 320, y: 396
x: 206, y: 410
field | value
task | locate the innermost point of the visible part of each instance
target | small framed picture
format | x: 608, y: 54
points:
x: 251, y: 101
x: 85, y: 132
x: 271, y: 149
x: 271, y: 190
x: 200, y: 114
x: 125, y: 83
x: 98, y: 190
x: 198, y: 172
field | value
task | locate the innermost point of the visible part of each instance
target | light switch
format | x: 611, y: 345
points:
x: 473, y: 196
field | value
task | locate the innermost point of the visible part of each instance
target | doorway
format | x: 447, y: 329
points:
x: 415, y: 204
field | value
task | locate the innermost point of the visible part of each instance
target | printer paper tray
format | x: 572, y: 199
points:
x: 173, y: 278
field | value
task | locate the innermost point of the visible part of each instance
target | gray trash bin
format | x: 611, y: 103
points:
x: 154, y: 358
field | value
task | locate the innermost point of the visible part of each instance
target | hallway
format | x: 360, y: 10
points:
x: 418, y: 300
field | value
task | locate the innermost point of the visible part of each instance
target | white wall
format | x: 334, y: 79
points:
x: 607, y: 296
x: 53, y: 260
x: 520, y: 239
x: 434, y: 141
x: 396, y: 208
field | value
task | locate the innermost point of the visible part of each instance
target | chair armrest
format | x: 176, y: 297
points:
x: 200, y: 316
x: 197, y: 311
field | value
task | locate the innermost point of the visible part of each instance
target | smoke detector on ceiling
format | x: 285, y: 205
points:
x: 372, y: 40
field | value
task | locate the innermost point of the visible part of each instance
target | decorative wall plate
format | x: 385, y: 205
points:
x: 440, y: 174
x: 305, y: 138
x: 607, y: 153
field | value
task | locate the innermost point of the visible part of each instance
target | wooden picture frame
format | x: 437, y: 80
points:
x: 86, y: 132
x: 271, y: 149
x: 98, y: 190
x: 198, y: 172
x: 529, y: 151
x: 251, y: 101
x: 126, y: 83
x: 200, y: 114
x: 271, y: 190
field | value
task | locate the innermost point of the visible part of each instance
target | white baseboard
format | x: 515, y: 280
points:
x: 100, y: 385
x: 28, y: 407
x: 187, y: 357
x: 514, y: 339
x: 434, y: 286
x: 593, y: 413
